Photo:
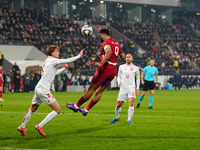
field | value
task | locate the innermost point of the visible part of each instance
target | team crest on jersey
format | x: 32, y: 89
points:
x: 154, y: 73
x: 131, y: 69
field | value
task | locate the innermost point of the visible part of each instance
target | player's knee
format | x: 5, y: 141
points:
x: 119, y: 105
x: 131, y: 104
x: 152, y: 94
x: 33, y: 110
x: 58, y: 111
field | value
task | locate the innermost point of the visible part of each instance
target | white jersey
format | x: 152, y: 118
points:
x: 49, y: 70
x: 126, y: 76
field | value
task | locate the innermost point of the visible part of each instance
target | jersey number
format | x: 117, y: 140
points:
x: 127, y: 75
x: 116, y: 50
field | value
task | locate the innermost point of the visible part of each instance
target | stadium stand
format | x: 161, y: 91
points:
x: 174, y: 46
x: 24, y: 27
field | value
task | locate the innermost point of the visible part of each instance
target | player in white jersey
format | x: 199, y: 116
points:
x: 42, y: 90
x: 126, y: 82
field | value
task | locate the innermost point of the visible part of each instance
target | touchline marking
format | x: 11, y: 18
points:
x: 75, y: 114
x: 20, y: 148
x: 157, y: 111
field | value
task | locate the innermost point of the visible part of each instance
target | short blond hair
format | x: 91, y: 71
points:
x: 51, y: 49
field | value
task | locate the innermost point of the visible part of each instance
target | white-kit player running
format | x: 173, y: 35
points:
x: 42, y: 89
x: 126, y: 82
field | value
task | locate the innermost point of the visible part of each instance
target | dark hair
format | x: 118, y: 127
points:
x: 152, y: 59
x: 51, y: 49
x: 105, y: 31
x: 129, y: 54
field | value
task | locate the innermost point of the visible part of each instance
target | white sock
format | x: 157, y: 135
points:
x: 130, y: 112
x: 27, y: 118
x: 117, y: 112
x: 48, y: 118
x: 76, y: 106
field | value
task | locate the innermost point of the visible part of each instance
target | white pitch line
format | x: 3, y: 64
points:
x: 75, y: 114
x: 157, y: 111
x: 20, y: 148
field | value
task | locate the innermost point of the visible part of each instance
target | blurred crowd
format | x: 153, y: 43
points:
x: 43, y: 31
x: 173, y: 46
x: 15, y: 82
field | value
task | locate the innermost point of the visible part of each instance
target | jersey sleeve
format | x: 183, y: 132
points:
x: 138, y: 72
x: 65, y: 61
x: 156, y: 71
x: 60, y: 71
x: 105, y: 46
x: 137, y: 78
x: 120, y: 49
x: 144, y: 70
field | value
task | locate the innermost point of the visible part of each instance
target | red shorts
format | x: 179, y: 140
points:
x: 104, y: 76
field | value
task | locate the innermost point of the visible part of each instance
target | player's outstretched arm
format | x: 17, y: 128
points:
x: 69, y: 60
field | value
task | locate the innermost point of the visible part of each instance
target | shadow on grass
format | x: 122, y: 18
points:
x: 86, y: 130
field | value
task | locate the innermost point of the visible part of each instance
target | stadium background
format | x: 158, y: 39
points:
x: 165, y: 30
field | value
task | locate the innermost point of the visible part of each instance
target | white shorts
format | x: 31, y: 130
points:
x: 42, y: 95
x: 124, y: 93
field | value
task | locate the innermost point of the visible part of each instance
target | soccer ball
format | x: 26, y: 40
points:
x: 86, y: 30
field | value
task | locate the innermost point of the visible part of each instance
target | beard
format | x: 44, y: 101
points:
x: 101, y: 40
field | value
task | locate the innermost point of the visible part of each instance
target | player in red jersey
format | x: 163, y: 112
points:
x: 1, y: 83
x: 110, y: 51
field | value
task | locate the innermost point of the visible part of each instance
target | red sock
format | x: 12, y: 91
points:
x: 91, y: 104
x: 1, y: 93
x: 80, y: 102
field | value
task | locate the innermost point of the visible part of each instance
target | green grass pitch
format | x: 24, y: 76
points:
x: 174, y: 123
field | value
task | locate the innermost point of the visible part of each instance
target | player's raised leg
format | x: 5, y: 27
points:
x: 151, y: 99
x: 97, y: 97
x: 26, y: 119
x: 84, y: 98
x: 117, y: 111
x: 56, y: 110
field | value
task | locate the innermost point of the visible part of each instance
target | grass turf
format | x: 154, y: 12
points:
x: 174, y: 123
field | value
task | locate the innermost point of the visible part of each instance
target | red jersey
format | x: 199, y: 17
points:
x: 1, y: 75
x: 116, y: 50
x: 106, y: 73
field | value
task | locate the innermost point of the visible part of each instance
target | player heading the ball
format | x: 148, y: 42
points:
x: 107, y: 69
